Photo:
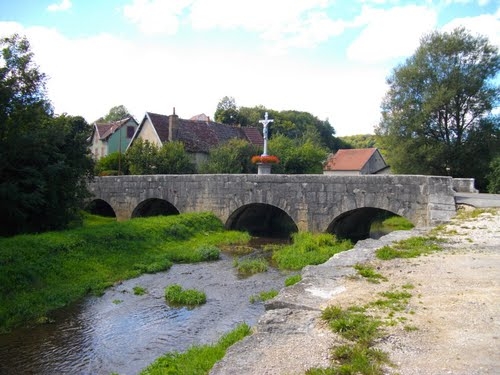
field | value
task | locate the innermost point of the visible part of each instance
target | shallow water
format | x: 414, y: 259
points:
x: 123, y: 333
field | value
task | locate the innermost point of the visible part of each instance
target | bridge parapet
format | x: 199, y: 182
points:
x: 313, y: 202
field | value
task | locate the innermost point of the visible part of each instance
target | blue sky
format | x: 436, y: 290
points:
x: 327, y: 57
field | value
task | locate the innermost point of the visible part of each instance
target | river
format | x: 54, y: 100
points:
x: 122, y: 333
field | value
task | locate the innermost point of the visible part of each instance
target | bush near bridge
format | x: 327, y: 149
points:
x: 43, y: 272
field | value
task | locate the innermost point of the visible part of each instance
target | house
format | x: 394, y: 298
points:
x: 356, y: 161
x: 198, y: 134
x: 113, y: 136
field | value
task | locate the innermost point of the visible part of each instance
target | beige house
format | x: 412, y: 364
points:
x: 198, y: 134
x: 109, y: 137
x: 356, y: 161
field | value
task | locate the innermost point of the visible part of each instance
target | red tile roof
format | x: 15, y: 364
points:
x: 105, y: 129
x: 349, y: 159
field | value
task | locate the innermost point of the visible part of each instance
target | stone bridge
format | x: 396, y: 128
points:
x: 343, y: 205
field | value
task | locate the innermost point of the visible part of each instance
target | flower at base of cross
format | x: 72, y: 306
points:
x: 265, y: 159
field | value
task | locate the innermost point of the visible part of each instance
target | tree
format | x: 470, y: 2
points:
x: 112, y: 164
x: 145, y: 157
x: 494, y: 176
x: 116, y: 113
x: 359, y: 141
x: 227, y: 111
x: 298, y: 156
x: 437, y: 109
x: 231, y: 157
x: 46, y: 160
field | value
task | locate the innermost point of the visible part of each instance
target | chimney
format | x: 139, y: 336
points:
x: 172, y: 125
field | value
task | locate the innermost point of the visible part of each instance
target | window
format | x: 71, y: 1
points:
x: 130, y: 131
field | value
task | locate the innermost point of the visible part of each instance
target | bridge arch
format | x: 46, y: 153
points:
x: 100, y: 207
x: 262, y: 219
x: 356, y: 224
x: 154, y: 207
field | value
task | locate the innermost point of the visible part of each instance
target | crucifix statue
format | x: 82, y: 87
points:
x: 265, y: 123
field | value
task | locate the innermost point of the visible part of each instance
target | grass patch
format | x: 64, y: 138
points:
x: 391, y: 224
x: 43, y: 272
x: 308, y: 248
x: 352, y: 324
x: 247, y: 267
x: 139, y: 290
x: 263, y: 296
x: 393, y: 300
x: 369, y: 273
x: 175, y: 295
x: 198, y: 360
x: 472, y: 214
x: 292, y: 280
x: 410, y: 248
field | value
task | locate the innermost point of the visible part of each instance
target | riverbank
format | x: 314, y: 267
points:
x: 449, y: 325
x: 41, y: 273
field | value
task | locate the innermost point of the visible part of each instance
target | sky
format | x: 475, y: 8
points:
x: 330, y: 58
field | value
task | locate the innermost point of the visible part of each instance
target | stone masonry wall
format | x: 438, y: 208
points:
x: 312, y: 201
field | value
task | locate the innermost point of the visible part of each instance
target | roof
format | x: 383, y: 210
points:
x: 105, y: 129
x: 200, y: 136
x: 349, y: 159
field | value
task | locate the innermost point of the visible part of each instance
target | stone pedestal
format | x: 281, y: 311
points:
x: 264, y: 168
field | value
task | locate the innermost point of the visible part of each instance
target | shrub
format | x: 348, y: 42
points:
x: 175, y: 295
x: 308, y: 248
x: 207, y: 252
x: 291, y: 280
x: 248, y: 267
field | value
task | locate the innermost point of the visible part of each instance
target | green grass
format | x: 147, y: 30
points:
x: 264, y: 296
x: 394, y: 300
x: 43, y: 272
x: 410, y: 248
x: 175, y: 295
x: 472, y: 214
x: 198, y: 360
x: 292, y: 280
x: 309, y: 248
x: 139, y: 290
x: 247, y: 267
x: 358, y: 355
x: 369, y: 273
x: 391, y: 224
x: 352, y: 324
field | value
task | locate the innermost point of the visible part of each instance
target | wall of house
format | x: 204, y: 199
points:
x: 99, y: 148
x: 374, y: 164
x: 119, y: 141
x: 147, y: 133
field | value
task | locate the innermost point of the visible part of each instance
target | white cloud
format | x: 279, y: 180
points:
x: 156, y: 16
x: 88, y: 76
x: 390, y: 33
x: 299, y: 23
x: 59, y: 7
x: 486, y: 24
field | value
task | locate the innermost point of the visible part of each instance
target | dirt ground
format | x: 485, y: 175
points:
x: 454, y: 312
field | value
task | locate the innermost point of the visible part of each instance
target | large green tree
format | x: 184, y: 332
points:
x: 116, y: 113
x: 292, y: 124
x: 227, y: 111
x: 144, y: 157
x: 45, y: 160
x: 231, y: 157
x: 436, y: 116
x: 303, y: 155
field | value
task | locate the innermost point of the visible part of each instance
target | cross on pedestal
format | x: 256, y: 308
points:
x: 265, y: 123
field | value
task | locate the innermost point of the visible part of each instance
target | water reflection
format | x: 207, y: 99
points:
x: 122, y: 332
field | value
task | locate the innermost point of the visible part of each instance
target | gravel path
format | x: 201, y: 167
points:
x: 452, y: 321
